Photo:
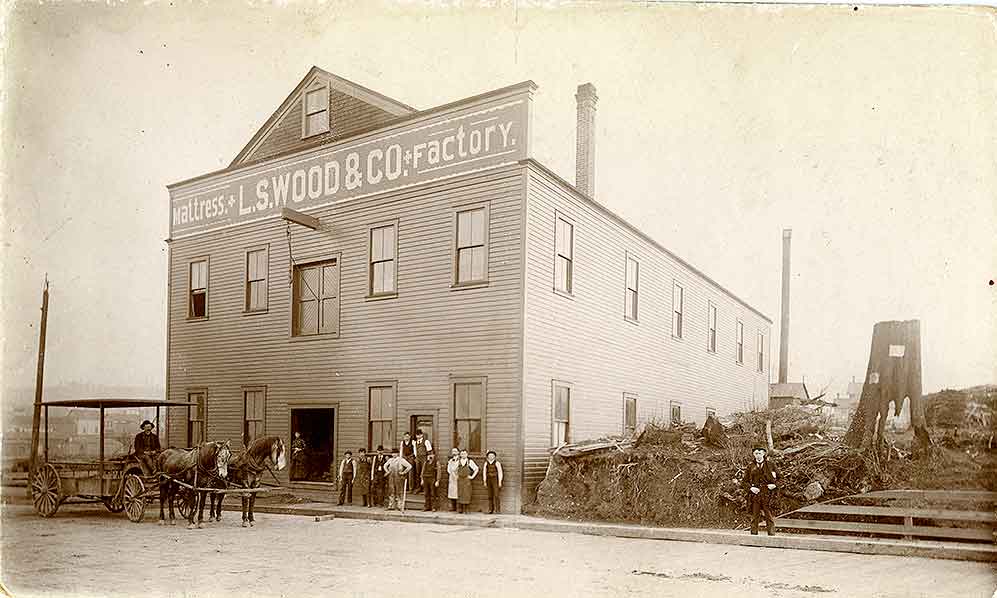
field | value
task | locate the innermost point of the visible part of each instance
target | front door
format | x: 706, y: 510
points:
x: 313, y: 446
x: 426, y: 423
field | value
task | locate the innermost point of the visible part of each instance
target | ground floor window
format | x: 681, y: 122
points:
x: 254, y: 409
x: 381, y: 422
x: 195, y: 418
x: 676, y: 413
x: 313, y: 444
x: 629, y: 413
x: 561, y: 414
x: 469, y: 414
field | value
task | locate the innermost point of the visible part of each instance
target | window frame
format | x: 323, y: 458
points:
x: 204, y: 416
x: 483, y: 381
x: 246, y: 309
x: 393, y: 385
x: 311, y: 262
x: 570, y: 291
x: 455, y: 283
x: 371, y: 295
x: 245, y: 412
x: 672, y: 406
x: 626, y: 289
x: 680, y: 333
x: 190, y: 291
x: 711, y: 410
x: 712, y: 324
x: 760, y: 346
x: 315, y: 86
x: 627, y: 397
x: 554, y: 385
x: 739, y: 342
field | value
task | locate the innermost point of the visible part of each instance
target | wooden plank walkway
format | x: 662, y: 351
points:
x: 889, y: 529
x: 946, y: 514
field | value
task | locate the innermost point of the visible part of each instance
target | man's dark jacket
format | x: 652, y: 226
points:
x: 146, y: 443
x: 760, y: 476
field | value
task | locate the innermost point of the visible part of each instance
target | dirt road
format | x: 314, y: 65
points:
x: 86, y: 551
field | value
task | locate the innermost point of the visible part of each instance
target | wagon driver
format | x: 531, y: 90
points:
x: 147, y: 446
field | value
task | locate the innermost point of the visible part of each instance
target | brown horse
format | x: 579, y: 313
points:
x: 246, y: 471
x: 199, y: 466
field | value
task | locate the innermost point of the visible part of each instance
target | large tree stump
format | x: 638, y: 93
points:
x: 894, y: 372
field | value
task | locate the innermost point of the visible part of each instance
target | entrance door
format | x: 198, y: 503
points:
x: 313, y: 432
x: 426, y: 423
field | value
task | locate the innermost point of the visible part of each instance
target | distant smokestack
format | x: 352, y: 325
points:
x: 585, y: 139
x: 787, y: 238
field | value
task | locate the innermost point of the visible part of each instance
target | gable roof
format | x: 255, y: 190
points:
x: 337, y: 83
x: 796, y: 390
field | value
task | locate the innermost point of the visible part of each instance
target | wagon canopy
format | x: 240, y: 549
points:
x: 108, y: 403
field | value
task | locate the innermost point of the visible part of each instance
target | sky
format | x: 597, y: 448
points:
x: 870, y: 131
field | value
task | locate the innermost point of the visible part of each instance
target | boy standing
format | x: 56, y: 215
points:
x: 407, y: 451
x: 492, y: 477
x: 347, y: 472
x: 422, y: 448
x: 760, y: 483
x: 430, y: 477
x: 377, y: 477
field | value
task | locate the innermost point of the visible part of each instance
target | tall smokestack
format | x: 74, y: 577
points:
x: 787, y: 237
x: 585, y: 140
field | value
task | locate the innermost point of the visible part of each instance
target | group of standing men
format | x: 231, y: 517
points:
x: 416, y: 467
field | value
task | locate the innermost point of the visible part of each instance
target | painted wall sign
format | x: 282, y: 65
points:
x: 897, y: 350
x: 477, y: 137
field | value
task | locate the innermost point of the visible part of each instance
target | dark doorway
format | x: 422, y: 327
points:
x: 426, y: 423
x: 313, y: 452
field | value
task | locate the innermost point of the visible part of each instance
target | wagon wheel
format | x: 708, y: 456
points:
x: 133, y: 497
x: 45, y: 489
x: 114, y: 503
x: 188, y: 500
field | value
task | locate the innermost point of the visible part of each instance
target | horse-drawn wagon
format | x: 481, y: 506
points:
x: 127, y: 483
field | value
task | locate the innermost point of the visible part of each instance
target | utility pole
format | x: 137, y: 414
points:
x: 39, y: 378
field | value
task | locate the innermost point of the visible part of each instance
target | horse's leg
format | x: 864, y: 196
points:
x: 218, y: 512
x: 162, y: 501
x: 245, y: 505
x: 171, y: 496
x: 201, y: 499
x: 252, y: 503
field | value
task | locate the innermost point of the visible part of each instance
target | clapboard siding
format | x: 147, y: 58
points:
x: 420, y: 339
x: 585, y: 340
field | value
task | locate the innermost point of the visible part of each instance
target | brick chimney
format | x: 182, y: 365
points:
x: 585, y: 139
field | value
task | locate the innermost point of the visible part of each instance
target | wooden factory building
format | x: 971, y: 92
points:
x: 431, y: 274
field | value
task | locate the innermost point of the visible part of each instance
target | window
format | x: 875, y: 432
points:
x: 676, y: 412
x: 711, y: 412
x: 381, y: 409
x: 633, y: 275
x: 740, y: 342
x: 761, y: 352
x: 711, y: 334
x: 256, y: 280
x: 561, y: 414
x: 254, y: 414
x: 316, y: 298
x: 469, y: 411
x: 471, y: 246
x: 198, y: 303
x: 677, y: 310
x: 195, y: 418
x: 629, y: 413
x: 316, y: 112
x: 382, y: 249
x: 564, y: 251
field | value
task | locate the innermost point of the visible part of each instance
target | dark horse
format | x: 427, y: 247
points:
x: 199, y: 467
x: 246, y: 471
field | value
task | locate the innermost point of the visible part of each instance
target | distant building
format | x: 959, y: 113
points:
x: 787, y: 393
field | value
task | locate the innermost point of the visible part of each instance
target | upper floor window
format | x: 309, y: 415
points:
x: 197, y: 304
x: 633, y: 276
x: 677, y: 298
x: 316, y: 112
x: 382, y: 275
x: 254, y: 414
x: 711, y: 334
x: 564, y: 250
x: 256, y: 280
x: 316, y: 298
x: 740, y: 342
x: 471, y: 246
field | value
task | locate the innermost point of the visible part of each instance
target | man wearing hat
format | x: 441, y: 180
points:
x: 760, y: 483
x: 147, y: 446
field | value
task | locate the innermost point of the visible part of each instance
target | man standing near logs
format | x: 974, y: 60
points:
x: 760, y: 483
